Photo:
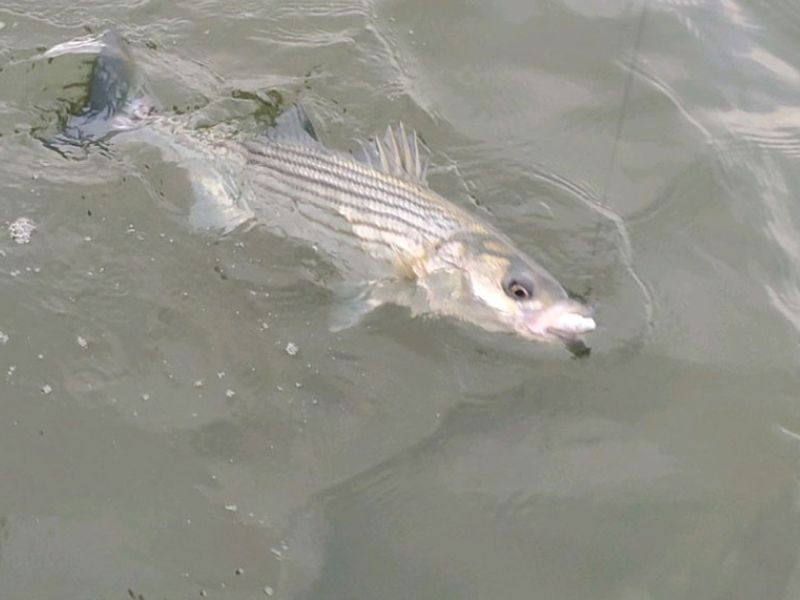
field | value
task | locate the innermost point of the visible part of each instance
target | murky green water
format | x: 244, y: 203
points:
x: 156, y: 436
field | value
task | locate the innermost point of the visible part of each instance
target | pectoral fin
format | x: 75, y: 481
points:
x: 354, y: 303
x: 349, y: 312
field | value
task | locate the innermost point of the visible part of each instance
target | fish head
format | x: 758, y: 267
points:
x: 496, y: 286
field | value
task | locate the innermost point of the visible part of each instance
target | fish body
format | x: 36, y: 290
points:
x: 375, y: 202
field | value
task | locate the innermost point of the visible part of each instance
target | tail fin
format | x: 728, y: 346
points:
x: 110, y: 102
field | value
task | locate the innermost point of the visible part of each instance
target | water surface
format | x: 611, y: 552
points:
x: 157, y: 437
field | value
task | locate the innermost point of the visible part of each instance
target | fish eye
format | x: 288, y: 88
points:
x: 519, y: 289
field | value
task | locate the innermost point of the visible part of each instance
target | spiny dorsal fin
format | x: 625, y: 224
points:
x: 399, y: 153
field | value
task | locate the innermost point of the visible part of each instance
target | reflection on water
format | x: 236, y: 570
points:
x: 156, y: 436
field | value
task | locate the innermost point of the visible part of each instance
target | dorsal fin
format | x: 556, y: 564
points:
x: 293, y: 125
x: 399, y: 153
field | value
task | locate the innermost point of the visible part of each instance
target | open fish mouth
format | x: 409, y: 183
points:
x: 566, y: 320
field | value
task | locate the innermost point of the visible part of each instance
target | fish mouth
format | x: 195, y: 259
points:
x: 567, y: 320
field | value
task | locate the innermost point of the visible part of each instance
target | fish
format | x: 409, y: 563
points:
x: 373, y: 205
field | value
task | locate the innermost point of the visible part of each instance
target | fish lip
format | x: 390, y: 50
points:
x: 566, y: 320
x: 569, y: 336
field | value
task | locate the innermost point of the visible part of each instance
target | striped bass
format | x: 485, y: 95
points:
x: 427, y: 252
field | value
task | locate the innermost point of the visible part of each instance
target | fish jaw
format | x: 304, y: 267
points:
x: 564, y: 320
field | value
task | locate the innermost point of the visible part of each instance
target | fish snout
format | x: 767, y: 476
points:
x: 566, y: 319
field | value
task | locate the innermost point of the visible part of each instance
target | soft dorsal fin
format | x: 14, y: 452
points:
x: 294, y: 126
x: 399, y: 153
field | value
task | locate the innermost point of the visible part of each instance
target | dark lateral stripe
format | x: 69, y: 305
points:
x: 416, y: 226
x: 355, y: 189
x: 356, y: 186
x: 351, y: 173
x: 358, y: 241
x: 410, y: 231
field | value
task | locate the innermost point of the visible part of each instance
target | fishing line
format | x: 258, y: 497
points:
x: 626, y: 94
x: 625, y: 248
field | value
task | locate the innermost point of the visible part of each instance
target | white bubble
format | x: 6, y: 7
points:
x: 21, y: 230
x: 292, y: 349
